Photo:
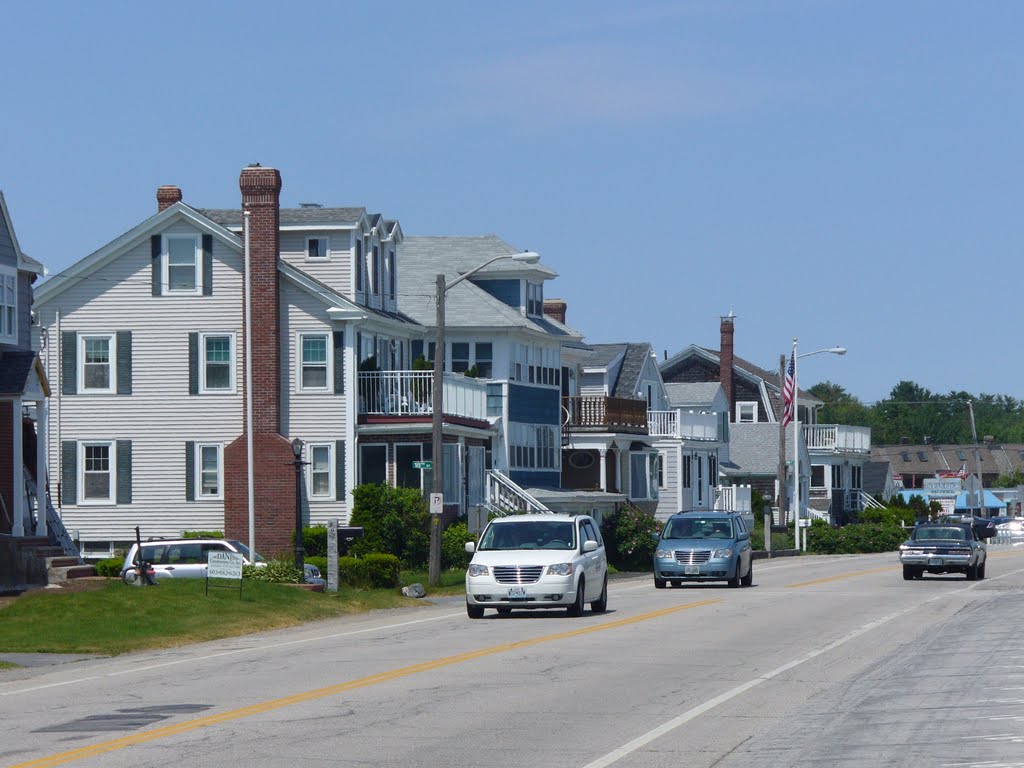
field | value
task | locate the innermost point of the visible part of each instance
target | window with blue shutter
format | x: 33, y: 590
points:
x: 339, y: 362
x: 207, y: 265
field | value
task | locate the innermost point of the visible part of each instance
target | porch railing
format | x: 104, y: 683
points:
x: 600, y: 411
x: 505, y: 497
x: 686, y: 425
x: 411, y: 393
x: 734, y: 498
x: 838, y: 438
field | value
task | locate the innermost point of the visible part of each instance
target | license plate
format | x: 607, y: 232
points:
x: 516, y: 592
x: 692, y: 570
x: 935, y: 561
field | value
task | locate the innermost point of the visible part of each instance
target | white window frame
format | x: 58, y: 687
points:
x: 649, y: 473
x: 662, y: 474
x: 744, y: 405
x: 112, y: 342
x: 232, y: 388
x: 200, y: 495
x: 856, y: 477
x: 111, y: 447
x: 165, y: 275
x: 312, y: 447
x: 300, y: 386
x: 8, y: 305
x: 324, y: 247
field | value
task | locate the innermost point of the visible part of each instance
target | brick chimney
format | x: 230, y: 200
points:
x: 725, y: 363
x: 166, y: 196
x: 274, y: 485
x: 555, y: 309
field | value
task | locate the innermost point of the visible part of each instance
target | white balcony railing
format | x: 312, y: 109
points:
x: 411, y: 393
x: 686, y: 425
x: 837, y: 438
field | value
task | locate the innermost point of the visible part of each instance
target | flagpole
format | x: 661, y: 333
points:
x: 796, y: 455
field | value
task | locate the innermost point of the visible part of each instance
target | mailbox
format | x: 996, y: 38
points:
x: 347, y: 534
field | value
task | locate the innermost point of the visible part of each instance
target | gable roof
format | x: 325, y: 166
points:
x: 698, y: 393
x: 633, y: 355
x: 754, y: 449
x: 309, y: 217
x: 25, y: 264
x: 16, y: 366
x: 466, y: 305
x: 338, y: 306
x: 84, y: 267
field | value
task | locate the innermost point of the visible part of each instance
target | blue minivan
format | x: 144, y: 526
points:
x: 704, y: 546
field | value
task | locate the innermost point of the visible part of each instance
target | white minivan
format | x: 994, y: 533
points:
x: 537, y: 561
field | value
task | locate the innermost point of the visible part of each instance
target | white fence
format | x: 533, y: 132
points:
x: 838, y: 438
x: 687, y: 425
x: 407, y: 393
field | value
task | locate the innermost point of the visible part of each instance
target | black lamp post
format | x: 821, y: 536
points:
x: 300, y: 552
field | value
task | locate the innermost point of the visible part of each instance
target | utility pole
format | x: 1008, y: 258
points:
x: 782, y: 443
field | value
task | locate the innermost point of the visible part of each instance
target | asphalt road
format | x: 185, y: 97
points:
x: 833, y: 661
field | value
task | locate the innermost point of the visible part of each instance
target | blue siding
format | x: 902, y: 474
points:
x: 534, y: 405
x: 505, y: 291
x: 532, y: 479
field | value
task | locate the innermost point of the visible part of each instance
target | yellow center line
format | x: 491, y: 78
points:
x: 319, y: 693
x: 839, y: 577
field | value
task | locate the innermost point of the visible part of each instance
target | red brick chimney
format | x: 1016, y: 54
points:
x: 274, y: 485
x: 166, y: 196
x: 725, y: 364
x: 555, y: 308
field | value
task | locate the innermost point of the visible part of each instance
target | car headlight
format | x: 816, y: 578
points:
x: 560, y: 569
x: 663, y: 554
x: 721, y: 554
x: 478, y: 570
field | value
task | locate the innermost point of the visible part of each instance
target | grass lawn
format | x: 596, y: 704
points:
x: 107, y: 617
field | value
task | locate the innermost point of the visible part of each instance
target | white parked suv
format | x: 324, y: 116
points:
x: 537, y: 561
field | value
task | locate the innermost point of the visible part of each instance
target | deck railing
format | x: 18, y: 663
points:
x: 838, y: 438
x: 411, y: 393
x: 687, y: 425
x: 599, y: 411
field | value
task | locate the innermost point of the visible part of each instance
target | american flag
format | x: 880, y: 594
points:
x: 788, y: 390
x: 962, y: 472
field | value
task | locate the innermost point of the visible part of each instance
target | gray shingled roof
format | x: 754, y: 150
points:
x: 875, y: 476
x: 634, y: 355
x: 15, y: 366
x: 466, y: 305
x: 699, y: 393
x: 754, y: 448
x: 995, y: 459
x: 312, y: 217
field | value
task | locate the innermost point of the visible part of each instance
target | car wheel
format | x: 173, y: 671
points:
x: 981, y: 571
x: 748, y: 580
x: 909, y: 572
x: 504, y: 611
x: 677, y: 582
x: 659, y: 583
x: 576, y: 609
x: 601, y: 604
x: 734, y: 582
x: 972, y: 573
x: 474, y: 611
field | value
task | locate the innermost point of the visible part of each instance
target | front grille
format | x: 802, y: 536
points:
x: 692, y: 556
x: 517, y: 574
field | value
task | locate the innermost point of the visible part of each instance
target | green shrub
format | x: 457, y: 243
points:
x: 110, y: 566
x: 627, y: 539
x: 395, y: 521
x: 275, y: 571
x: 370, y: 572
x: 887, y: 516
x: 202, y: 535
x: 453, y: 546
x: 860, y: 538
x: 314, y: 540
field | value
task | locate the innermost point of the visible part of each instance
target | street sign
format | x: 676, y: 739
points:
x: 423, y: 465
x: 436, y: 503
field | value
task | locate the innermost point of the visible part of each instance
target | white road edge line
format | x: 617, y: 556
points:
x: 632, y: 746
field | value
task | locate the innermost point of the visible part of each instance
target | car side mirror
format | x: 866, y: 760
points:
x: 656, y: 536
x: 470, y: 547
x: 743, y: 536
x: 985, y: 530
x: 589, y: 545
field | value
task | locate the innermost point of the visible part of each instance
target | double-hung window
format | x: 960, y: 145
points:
x: 460, y: 356
x: 318, y: 248
x: 181, y: 265
x: 313, y: 373
x: 97, y: 354
x: 484, y: 359
x: 8, y: 304
x: 321, y: 472
x: 217, y: 369
x: 97, y: 481
x: 211, y: 471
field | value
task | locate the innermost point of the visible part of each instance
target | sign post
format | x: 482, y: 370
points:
x: 332, y: 555
x: 224, y: 565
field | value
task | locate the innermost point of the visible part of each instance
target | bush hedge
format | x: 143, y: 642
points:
x: 275, y: 571
x: 110, y: 566
x: 628, y: 541
x: 859, y: 538
x: 374, y: 571
x: 453, y: 546
x: 395, y: 521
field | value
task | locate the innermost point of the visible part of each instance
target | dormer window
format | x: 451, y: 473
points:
x: 534, y: 299
x: 359, y: 265
x: 181, y: 266
x: 8, y: 304
x: 746, y: 412
x: 318, y: 248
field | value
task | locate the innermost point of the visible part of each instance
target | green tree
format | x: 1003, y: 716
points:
x: 395, y: 521
x: 840, y: 406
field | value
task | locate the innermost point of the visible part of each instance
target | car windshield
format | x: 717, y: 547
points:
x: 939, y: 532
x: 532, y: 534
x: 245, y: 551
x: 698, y: 528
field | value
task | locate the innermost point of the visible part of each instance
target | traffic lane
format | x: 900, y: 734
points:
x: 472, y: 632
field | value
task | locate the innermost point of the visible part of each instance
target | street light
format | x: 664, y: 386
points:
x: 300, y: 552
x: 437, y: 494
x: 796, y: 444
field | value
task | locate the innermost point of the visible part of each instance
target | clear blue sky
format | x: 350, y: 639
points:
x: 848, y: 172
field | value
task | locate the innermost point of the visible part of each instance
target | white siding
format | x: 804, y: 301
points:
x: 335, y: 272
x: 160, y: 415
